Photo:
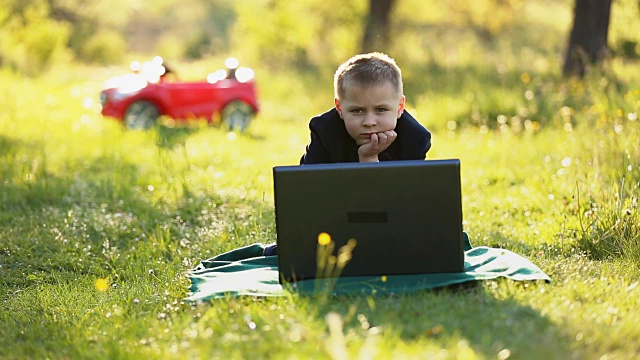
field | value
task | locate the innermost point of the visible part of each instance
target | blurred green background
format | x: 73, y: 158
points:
x: 36, y: 34
x: 464, y: 62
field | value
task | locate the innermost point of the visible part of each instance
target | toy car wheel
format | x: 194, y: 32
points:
x: 140, y: 115
x: 236, y: 116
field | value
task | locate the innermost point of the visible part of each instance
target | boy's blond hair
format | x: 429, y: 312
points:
x: 366, y: 70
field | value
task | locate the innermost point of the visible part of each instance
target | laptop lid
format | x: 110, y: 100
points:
x: 406, y: 216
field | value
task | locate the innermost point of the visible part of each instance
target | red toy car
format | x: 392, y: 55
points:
x: 139, y: 99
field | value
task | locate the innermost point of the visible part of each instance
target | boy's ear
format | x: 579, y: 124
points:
x: 401, y: 106
x: 336, y: 101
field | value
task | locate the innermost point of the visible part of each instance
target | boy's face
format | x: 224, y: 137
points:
x: 370, y: 110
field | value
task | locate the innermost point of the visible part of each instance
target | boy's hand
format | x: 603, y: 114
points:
x: 379, y: 142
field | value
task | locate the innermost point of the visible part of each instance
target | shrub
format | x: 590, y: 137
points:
x: 104, y: 47
x: 30, y: 41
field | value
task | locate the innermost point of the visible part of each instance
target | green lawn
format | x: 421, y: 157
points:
x: 98, y: 226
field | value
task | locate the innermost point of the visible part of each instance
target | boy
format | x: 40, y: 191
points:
x: 369, y: 122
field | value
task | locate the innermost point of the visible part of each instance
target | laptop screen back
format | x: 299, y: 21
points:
x: 406, y: 216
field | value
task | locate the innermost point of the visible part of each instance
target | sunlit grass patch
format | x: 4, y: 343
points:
x: 98, y: 226
x: 609, y: 223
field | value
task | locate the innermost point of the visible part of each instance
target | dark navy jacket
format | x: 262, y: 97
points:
x: 331, y: 143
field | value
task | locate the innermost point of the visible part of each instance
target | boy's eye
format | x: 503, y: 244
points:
x: 357, y: 111
x: 381, y: 109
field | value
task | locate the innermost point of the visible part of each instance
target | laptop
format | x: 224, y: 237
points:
x: 406, y: 217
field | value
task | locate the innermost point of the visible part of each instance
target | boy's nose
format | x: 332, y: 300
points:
x: 369, y: 120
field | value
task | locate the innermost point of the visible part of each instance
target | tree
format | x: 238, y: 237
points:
x: 376, y: 34
x: 589, y: 36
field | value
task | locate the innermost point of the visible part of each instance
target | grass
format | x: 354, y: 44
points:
x: 98, y: 226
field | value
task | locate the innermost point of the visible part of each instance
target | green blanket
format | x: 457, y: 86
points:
x: 244, y: 271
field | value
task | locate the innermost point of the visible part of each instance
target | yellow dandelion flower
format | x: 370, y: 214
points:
x: 102, y: 285
x: 324, y: 239
x: 525, y: 78
x: 384, y: 278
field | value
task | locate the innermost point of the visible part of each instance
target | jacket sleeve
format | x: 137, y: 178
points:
x: 316, y: 152
x: 424, y: 145
x: 418, y: 139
